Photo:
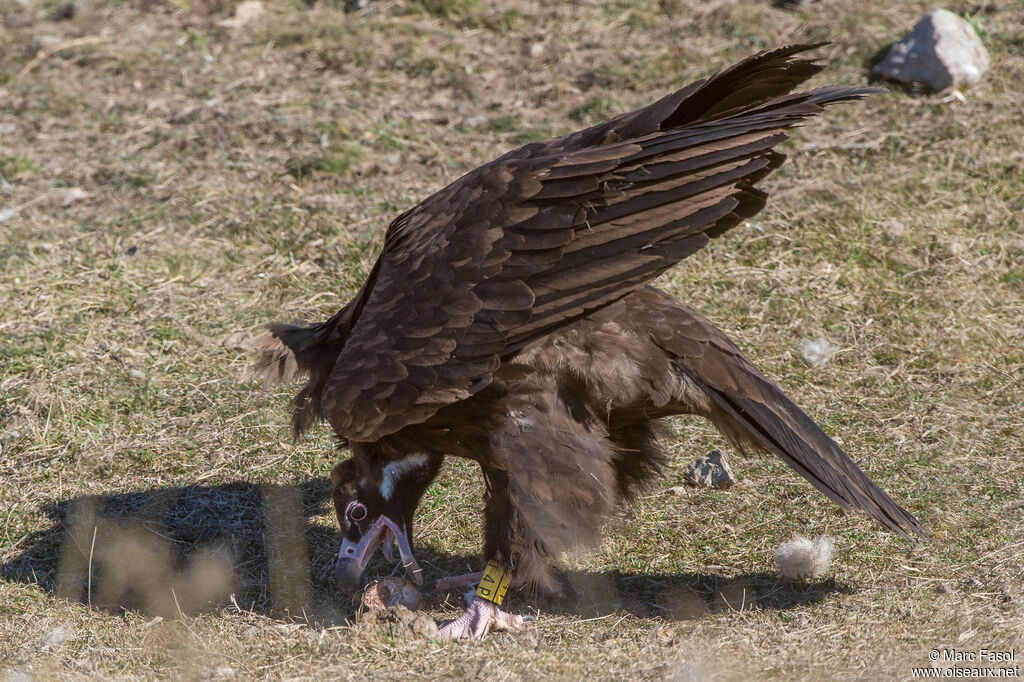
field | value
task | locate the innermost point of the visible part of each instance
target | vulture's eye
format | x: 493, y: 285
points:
x: 356, y: 511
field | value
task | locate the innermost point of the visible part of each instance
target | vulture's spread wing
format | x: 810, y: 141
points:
x: 554, y: 231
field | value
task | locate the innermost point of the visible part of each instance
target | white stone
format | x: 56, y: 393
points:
x: 942, y: 51
x: 534, y: 50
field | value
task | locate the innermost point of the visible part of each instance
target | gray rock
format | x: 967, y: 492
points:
x: 710, y: 471
x: 942, y: 51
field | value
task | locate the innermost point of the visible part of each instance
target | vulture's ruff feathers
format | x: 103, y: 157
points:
x: 509, y: 320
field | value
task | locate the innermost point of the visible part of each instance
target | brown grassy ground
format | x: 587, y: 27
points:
x: 170, y: 180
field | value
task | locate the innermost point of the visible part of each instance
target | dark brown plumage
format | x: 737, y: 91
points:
x: 508, y: 320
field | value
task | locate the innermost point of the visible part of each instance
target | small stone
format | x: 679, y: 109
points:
x: 895, y: 228
x: 711, y: 471
x: 137, y: 374
x: 248, y: 11
x: 534, y: 50
x: 942, y: 51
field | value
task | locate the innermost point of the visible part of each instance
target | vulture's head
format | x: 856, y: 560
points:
x: 375, y: 502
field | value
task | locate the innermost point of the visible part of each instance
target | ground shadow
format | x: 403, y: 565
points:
x: 258, y: 547
x: 873, y: 60
x: 682, y: 596
x: 187, y: 549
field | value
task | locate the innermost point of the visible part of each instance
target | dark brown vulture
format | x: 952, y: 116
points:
x: 509, y: 320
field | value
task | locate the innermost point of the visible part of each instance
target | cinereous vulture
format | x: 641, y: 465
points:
x: 509, y: 320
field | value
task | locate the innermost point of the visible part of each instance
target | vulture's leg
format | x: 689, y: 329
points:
x: 481, y: 617
x: 484, y: 615
x: 638, y: 455
x: 550, y: 481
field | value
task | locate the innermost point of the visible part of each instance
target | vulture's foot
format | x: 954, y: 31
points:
x: 480, y: 618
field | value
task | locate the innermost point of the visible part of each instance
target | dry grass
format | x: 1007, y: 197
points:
x: 170, y: 180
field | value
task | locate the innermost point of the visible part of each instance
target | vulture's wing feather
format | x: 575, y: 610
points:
x: 766, y: 417
x: 758, y: 78
x: 544, y: 236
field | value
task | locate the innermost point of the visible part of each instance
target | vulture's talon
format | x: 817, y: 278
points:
x: 480, y: 618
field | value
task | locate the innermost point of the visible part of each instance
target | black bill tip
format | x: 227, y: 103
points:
x: 347, y: 576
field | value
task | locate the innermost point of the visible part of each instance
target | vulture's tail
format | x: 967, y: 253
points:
x: 773, y: 422
x: 287, y: 351
x: 753, y: 411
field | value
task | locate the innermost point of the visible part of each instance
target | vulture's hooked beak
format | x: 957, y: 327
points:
x: 353, y: 556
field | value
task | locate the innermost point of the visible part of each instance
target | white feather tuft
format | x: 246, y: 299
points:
x: 802, y: 558
x: 396, y: 470
x: 817, y: 351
